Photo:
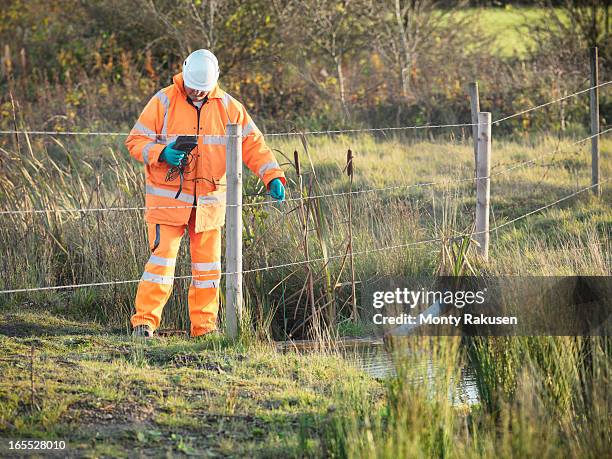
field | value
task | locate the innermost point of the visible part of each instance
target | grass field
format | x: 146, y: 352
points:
x: 114, y: 397
x: 108, y: 396
x: 66, y: 248
x: 507, y: 27
x: 69, y: 368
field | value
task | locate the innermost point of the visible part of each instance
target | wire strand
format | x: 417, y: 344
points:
x: 271, y: 134
x: 302, y: 262
x: 352, y: 131
x: 557, y: 150
x: 550, y: 103
x: 539, y: 209
x: 305, y: 198
x: 293, y: 133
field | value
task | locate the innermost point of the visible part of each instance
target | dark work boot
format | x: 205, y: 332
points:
x: 142, y: 331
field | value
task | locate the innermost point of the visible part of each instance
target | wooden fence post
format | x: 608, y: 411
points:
x: 349, y: 172
x: 594, y: 92
x: 233, y: 231
x: 483, y: 183
x: 475, y: 109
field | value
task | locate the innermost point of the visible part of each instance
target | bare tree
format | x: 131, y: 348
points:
x: 563, y: 35
x: 236, y: 31
x: 411, y: 28
x: 561, y: 39
x: 422, y: 40
x: 330, y: 29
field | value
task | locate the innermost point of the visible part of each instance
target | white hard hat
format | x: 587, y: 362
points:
x: 201, y: 70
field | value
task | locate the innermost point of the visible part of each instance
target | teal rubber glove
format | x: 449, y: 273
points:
x: 277, y: 190
x: 172, y: 156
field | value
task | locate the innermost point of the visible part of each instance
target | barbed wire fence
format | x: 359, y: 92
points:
x: 319, y: 132
x: 513, y: 166
x: 481, y: 180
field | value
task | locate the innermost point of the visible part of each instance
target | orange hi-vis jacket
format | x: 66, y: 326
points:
x: 170, y: 114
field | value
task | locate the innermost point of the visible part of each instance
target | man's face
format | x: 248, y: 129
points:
x: 195, y: 94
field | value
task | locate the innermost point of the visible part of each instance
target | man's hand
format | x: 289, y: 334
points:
x: 172, y: 156
x: 277, y: 189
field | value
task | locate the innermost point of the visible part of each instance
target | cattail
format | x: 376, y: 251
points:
x: 7, y: 63
x: 22, y: 58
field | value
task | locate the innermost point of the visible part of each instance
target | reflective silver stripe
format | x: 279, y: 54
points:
x: 142, y: 129
x: 150, y: 189
x: 212, y: 199
x: 150, y: 277
x: 145, y: 152
x: 163, y: 98
x: 161, y: 261
x: 215, y: 140
x: 164, y: 132
x: 205, y: 283
x: 266, y: 167
x: 213, y: 266
x: 168, y: 140
x: 249, y: 128
x: 226, y: 100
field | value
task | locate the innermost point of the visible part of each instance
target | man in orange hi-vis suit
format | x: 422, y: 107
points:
x: 193, y: 105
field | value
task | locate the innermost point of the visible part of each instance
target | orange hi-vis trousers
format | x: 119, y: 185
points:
x: 156, y: 283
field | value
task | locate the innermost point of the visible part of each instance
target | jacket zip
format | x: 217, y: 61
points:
x: 195, y: 183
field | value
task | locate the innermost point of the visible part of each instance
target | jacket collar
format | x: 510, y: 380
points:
x: 216, y: 93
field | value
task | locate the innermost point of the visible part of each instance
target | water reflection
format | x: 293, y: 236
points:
x: 371, y: 356
x: 377, y: 362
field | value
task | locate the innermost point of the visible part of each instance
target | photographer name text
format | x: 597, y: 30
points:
x: 409, y: 299
x: 464, y: 319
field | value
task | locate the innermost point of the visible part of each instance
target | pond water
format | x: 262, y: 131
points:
x: 371, y: 356
x: 377, y: 362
